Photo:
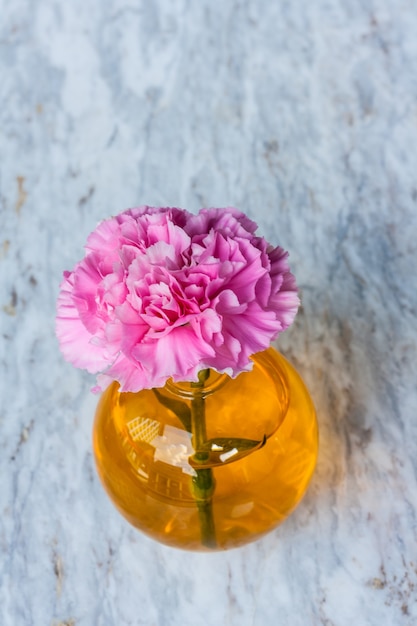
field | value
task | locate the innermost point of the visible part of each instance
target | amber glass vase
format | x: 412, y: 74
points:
x: 209, y: 465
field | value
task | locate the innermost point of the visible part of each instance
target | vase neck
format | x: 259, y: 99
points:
x: 214, y: 381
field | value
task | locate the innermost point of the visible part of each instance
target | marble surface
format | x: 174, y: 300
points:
x: 302, y: 114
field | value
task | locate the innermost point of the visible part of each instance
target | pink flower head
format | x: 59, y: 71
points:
x: 162, y: 293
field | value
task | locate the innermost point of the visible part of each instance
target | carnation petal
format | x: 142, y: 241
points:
x: 74, y: 339
x: 173, y: 354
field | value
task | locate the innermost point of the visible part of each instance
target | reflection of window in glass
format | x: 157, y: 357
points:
x: 174, y: 448
x: 143, y: 429
x: 172, y: 445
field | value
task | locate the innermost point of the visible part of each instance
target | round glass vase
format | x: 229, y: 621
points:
x: 209, y: 465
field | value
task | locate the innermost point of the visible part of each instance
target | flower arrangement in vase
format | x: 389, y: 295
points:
x: 205, y: 437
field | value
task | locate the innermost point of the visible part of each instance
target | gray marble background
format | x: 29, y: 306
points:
x: 302, y: 114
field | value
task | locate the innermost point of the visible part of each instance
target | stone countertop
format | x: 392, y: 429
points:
x: 304, y: 115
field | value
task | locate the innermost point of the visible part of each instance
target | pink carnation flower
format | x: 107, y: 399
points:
x: 162, y: 293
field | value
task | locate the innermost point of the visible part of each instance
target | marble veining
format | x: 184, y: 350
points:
x: 302, y: 114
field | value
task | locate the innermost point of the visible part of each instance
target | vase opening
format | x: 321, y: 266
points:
x: 188, y: 390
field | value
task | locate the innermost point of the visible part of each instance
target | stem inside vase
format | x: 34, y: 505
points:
x: 203, y: 483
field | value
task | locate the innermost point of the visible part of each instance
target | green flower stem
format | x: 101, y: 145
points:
x: 203, y: 482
